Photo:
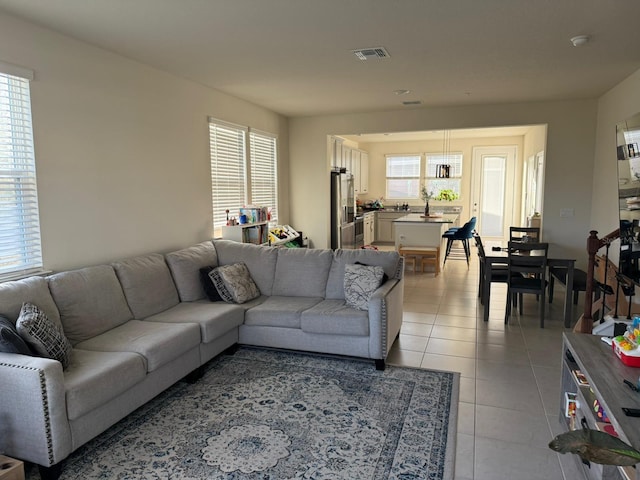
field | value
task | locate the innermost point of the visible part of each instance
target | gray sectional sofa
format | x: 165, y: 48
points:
x: 139, y: 325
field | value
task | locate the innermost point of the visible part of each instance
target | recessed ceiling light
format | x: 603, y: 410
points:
x: 401, y: 91
x: 579, y: 40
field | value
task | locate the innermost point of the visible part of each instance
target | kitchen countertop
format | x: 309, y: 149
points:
x: 418, y: 218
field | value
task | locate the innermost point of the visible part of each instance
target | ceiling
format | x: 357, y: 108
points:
x: 295, y: 56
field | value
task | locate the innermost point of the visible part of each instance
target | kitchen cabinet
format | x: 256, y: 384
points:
x: 385, y: 229
x: 355, y: 170
x: 336, y: 152
x: 364, y: 172
x: 369, y: 228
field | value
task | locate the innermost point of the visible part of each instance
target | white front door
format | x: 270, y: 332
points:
x: 492, y: 187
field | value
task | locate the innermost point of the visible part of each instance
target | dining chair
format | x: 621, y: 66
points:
x: 527, y: 271
x: 463, y: 234
x: 499, y: 273
x: 524, y: 234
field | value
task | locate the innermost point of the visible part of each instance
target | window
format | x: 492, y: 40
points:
x: 403, y: 176
x: 241, y: 174
x: 443, y: 172
x: 20, y: 247
x: 264, y: 172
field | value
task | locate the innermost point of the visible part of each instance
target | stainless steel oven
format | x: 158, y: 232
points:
x: 359, y: 224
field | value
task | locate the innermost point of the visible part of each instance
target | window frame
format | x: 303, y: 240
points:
x: 20, y: 237
x: 240, y: 170
x: 456, y: 160
x: 417, y: 177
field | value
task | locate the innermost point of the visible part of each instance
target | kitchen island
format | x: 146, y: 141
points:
x: 418, y: 231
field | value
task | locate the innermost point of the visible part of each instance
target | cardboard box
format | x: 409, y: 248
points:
x: 11, y: 469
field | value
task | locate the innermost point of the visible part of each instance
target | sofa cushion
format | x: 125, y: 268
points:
x: 207, y: 284
x: 302, y: 272
x: 360, y: 281
x: 185, y: 268
x: 10, y: 339
x: 44, y: 336
x: 334, y: 317
x: 94, y: 378
x: 147, y: 284
x: 90, y: 301
x: 234, y: 283
x: 389, y: 261
x: 260, y: 260
x: 158, y: 343
x: 214, y: 319
x: 33, y: 290
x: 279, y: 311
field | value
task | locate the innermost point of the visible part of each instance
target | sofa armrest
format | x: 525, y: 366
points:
x: 385, y: 317
x: 33, y: 411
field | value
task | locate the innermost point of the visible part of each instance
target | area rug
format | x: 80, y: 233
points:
x: 272, y: 415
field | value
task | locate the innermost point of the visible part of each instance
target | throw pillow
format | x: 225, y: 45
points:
x: 208, y: 286
x: 360, y: 281
x: 385, y: 277
x: 45, y: 337
x: 10, y: 340
x: 234, y: 283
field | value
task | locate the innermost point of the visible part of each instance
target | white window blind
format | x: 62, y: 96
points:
x: 227, y: 144
x: 264, y: 172
x: 434, y: 180
x: 20, y: 245
x: 403, y: 176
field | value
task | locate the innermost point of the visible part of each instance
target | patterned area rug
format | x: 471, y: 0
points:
x: 273, y: 415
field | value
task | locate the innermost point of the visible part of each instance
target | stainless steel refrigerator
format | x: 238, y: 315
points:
x: 343, y: 210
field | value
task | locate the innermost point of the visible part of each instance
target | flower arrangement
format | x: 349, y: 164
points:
x: 426, y: 195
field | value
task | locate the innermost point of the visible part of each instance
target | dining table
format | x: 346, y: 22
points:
x: 496, y: 254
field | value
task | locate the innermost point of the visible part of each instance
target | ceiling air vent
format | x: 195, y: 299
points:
x: 371, y: 53
x: 412, y: 102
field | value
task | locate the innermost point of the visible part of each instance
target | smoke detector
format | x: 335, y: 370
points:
x: 579, y: 40
x: 372, y: 53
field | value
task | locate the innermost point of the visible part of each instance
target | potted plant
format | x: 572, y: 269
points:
x: 426, y: 196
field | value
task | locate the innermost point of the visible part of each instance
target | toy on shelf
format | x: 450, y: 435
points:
x: 282, y: 234
x: 626, y: 346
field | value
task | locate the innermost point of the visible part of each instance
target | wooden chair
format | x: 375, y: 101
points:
x: 527, y: 271
x: 499, y: 273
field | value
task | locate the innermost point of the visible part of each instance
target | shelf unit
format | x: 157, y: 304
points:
x: 604, y: 373
x: 256, y: 233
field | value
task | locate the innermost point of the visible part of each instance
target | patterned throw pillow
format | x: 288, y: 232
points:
x: 208, y: 286
x: 10, y: 340
x: 360, y: 281
x: 45, y: 337
x: 234, y: 283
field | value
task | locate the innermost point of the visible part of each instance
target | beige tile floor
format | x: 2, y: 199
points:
x: 510, y: 374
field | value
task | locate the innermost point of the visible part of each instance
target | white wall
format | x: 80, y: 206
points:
x: 620, y: 103
x: 122, y: 149
x: 569, y: 158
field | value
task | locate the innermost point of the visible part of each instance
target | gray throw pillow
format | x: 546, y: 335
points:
x: 10, y: 340
x: 360, y: 281
x: 45, y: 337
x: 234, y: 283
